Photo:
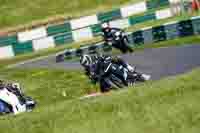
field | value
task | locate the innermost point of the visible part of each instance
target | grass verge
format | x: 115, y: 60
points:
x: 168, y: 105
x: 15, y: 13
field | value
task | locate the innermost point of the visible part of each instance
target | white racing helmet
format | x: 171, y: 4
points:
x: 105, y: 25
x: 16, y: 85
x: 85, y: 60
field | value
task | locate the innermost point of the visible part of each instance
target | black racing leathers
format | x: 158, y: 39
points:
x: 96, y: 73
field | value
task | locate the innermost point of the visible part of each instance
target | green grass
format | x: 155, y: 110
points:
x: 167, y: 106
x: 20, y: 12
x: 44, y: 85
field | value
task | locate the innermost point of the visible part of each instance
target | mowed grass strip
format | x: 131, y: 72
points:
x: 19, y: 12
x: 169, y: 105
x: 48, y: 85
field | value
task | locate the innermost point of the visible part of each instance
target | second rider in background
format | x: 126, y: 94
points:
x: 116, y: 37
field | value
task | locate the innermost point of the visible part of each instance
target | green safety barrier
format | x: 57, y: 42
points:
x: 185, y: 28
x: 63, y: 38
x: 171, y: 31
x: 156, y: 3
x: 55, y: 29
x: 138, y: 37
x: 108, y: 16
x: 22, y: 48
x: 140, y: 19
x: 8, y: 40
x: 96, y: 29
x: 159, y: 33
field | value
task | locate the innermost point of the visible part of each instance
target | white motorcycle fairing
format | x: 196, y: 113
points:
x: 12, y: 100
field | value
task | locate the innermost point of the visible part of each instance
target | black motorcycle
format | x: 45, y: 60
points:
x: 120, y: 41
x: 117, y: 77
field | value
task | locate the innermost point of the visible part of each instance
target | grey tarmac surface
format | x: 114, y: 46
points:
x: 159, y: 62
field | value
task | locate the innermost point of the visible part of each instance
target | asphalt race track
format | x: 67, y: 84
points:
x: 159, y: 63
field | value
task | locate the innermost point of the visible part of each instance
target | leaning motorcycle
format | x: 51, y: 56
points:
x: 13, y: 104
x: 120, y: 41
x: 117, y: 77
